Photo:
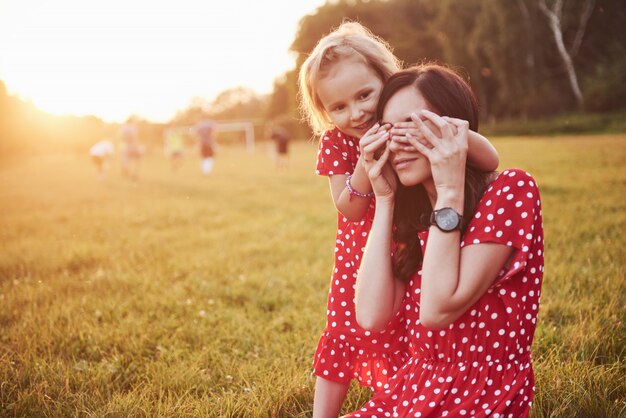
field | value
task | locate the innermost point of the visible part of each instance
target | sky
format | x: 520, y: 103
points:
x: 150, y: 58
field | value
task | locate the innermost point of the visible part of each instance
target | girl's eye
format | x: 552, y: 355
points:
x: 365, y: 95
x: 338, y: 108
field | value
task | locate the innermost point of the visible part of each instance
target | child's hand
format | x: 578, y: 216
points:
x: 400, y: 131
x: 379, y: 171
x: 374, y: 140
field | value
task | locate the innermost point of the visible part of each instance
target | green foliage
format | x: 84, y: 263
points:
x: 505, y: 47
x: 189, y: 296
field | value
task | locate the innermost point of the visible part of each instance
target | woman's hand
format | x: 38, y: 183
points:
x: 447, y: 152
x: 375, y: 159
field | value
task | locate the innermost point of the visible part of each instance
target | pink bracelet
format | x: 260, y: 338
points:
x: 355, y: 192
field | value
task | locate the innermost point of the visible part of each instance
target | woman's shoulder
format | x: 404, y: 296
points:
x: 511, y: 187
x: 511, y: 180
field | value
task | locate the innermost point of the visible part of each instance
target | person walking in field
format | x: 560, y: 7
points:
x: 206, y: 131
x: 457, y: 250
x: 340, y: 83
x: 101, y: 153
x: 281, y: 137
x: 174, y: 147
x: 132, y: 151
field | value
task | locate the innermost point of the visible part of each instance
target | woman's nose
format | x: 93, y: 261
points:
x: 395, y: 145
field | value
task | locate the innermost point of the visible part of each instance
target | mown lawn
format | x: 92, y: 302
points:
x: 190, y: 296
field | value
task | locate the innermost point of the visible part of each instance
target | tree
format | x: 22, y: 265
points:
x: 554, y: 16
x: 237, y: 103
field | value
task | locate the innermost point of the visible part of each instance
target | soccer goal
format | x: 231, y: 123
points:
x: 234, y: 126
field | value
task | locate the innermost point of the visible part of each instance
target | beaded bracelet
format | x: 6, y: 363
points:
x: 355, y: 192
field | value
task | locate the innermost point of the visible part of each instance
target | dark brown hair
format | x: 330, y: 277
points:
x: 447, y: 94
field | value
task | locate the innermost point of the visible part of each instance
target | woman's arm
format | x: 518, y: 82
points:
x: 378, y: 294
x: 452, y: 279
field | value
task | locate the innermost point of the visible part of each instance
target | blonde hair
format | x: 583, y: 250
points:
x: 350, y: 39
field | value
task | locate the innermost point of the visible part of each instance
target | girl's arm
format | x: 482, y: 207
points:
x: 481, y: 154
x: 352, y: 207
x: 378, y: 294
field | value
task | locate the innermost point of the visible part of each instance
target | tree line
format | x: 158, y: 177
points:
x: 524, y: 59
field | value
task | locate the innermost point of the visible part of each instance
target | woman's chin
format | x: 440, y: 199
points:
x: 409, y: 180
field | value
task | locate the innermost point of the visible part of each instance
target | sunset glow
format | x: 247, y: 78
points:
x: 121, y: 57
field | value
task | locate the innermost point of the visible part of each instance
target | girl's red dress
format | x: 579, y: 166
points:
x: 345, y: 350
x: 480, y: 365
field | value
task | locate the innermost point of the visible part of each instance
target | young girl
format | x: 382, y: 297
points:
x: 471, y: 310
x: 340, y: 83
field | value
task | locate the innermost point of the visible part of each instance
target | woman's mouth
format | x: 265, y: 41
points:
x: 402, y: 163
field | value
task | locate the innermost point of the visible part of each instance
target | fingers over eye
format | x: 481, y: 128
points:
x: 426, y: 150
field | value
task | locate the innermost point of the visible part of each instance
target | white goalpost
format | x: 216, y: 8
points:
x: 232, y: 126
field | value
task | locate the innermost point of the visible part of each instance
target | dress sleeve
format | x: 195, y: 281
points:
x: 334, y: 154
x: 508, y: 214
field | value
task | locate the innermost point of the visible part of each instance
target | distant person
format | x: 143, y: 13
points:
x: 281, y: 137
x: 206, y: 135
x: 174, y: 144
x: 101, y: 153
x: 132, y: 151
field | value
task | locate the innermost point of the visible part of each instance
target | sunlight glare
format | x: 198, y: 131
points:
x: 121, y: 57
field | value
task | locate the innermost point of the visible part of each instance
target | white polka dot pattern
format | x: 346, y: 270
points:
x: 346, y: 351
x: 480, y: 365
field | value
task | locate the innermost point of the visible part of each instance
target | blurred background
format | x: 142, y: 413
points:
x: 71, y: 72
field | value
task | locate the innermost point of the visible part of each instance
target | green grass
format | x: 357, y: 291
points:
x: 189, y: 296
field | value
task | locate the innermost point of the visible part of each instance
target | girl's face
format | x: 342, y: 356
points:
x: 349, y: 93
x: 411, y: 167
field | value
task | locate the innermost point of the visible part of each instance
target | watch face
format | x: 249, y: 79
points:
x: 447, y: 219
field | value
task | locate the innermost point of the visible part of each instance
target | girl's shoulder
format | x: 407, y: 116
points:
x: 336, y: 135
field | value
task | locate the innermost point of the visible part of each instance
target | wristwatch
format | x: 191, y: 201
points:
x: 446, y: 219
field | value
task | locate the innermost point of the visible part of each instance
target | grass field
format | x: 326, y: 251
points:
x: 187, y: 296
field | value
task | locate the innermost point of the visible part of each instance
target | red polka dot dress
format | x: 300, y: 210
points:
x: 480, y: 365
x: 345, y: 350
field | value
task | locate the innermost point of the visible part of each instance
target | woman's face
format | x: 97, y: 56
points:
x: 411, y: 167
x: 349, y: 93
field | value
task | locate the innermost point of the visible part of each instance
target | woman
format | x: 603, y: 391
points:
x: 459, y: 251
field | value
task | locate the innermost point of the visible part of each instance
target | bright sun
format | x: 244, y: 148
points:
x: 120, y: 57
